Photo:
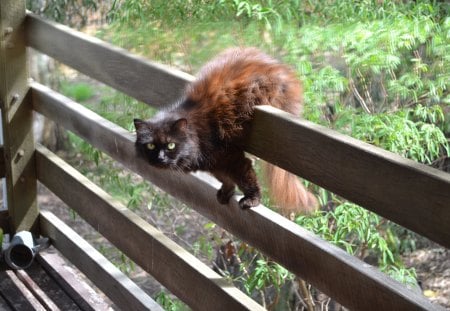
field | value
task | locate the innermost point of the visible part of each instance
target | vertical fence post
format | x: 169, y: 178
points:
x: 17, y: 118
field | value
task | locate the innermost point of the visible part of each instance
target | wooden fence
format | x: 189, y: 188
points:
x: 410, y: 194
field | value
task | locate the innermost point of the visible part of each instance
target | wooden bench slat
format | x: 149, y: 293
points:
x: 2, y: 162
x: 4, y: 305
x: 116, y: 285
x: 40, y: 295
x: 178, y: 270
x: 40, y: 274
x: 17, y: 296
x: 350, y: 281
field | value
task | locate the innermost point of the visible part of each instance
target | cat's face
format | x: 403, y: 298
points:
x: 165, y: 144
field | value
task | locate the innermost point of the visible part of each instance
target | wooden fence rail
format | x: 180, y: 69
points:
x: 408, y: 193
x: 146, y: 81
x: 342, y: 276
x: 178, y: 270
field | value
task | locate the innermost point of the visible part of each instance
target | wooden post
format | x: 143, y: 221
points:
x: 17, y: 117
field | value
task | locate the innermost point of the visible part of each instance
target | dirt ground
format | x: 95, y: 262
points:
x: 432, y: 265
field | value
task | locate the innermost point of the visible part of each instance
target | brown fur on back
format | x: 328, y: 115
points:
x: 229, y: 87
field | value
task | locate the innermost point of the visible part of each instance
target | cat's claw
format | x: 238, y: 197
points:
x: 224, y: 196
x: 247, y: 202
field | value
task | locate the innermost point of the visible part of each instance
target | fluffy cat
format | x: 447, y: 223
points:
x: 206, y: 128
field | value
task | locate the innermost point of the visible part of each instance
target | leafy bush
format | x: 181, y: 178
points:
x: 412, y: 133
x: 169, y: 303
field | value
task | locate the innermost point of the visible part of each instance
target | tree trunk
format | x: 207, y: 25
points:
x: 44, y: 70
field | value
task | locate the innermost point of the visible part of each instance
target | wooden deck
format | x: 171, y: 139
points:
x: 72, y: 277
x: 49, y: 284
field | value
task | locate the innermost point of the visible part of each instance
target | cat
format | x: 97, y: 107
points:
x: 205, y: 129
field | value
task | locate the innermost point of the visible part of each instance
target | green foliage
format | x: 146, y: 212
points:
x: 168, y: 303
x: 118, y: 258
x: 362, y: 234
x: 171, y: 12
x: 71, y: 12
x: 207, y: 242
x: 266, y: 274
x: 82, y: 147
x: 121, y: 109
x: 350, y: 227
x: 412, y: 133
x: 405, y: 276
x: 130, y: 11
x: 378, y: 65
x: 80, y: 92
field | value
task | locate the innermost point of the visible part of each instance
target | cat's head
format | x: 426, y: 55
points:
x: 165, y: 143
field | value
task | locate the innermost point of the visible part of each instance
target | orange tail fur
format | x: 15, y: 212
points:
x: 287, y: 191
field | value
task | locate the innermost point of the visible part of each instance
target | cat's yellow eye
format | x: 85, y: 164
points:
x: 151, y: 146
x: 171, y: 146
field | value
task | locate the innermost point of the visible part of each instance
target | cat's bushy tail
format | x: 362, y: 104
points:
x: 287, y: 191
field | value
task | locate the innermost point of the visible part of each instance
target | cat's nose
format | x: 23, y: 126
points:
x: 161, y: 156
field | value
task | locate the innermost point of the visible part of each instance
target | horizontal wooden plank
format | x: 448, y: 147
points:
x: 116, y: 285
x: 148, y: 82
x: 343, y: 277
x: 5, y: 221
x: 2, y: 162
x: 178, y: 270
x: 67, y: 287
x: 4, y: 305
x: 15, y: 293
x: 409, y: 193
x: 37, y: 292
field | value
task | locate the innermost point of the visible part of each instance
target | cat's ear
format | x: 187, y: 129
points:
x: 141, y: 125
x: 180, y: 125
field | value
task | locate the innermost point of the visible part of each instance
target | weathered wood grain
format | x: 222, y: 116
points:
x: 178, y: 270
x: 149, y: 82
x: 411, y: 194
x: 117, y: 286
x: 37, y: 292
x: 353, y: 283
x: 3, y: 304
x: 16, y: 117
x: 68, y: 287
x: 17, y: 296
x: 2, y: 162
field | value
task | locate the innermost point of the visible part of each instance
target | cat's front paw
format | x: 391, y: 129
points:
x: 224, y: 196
x: 247, y: 202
